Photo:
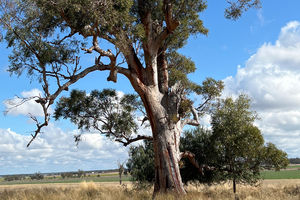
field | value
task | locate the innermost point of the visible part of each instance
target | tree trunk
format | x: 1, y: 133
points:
x: 167, y: 173
x: 234, y: 186
x: 236, y: 196
x: 161, y: 106
x: 166, y: 138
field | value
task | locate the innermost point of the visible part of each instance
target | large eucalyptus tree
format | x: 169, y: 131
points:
x: 47, y: 36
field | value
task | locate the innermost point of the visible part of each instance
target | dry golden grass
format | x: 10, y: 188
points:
x: 278, y: 190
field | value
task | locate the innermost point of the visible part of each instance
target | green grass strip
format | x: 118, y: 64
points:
x: 283, y: 174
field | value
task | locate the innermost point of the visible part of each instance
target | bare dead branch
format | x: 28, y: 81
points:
x: 14, y: 104
x: 38, y: 124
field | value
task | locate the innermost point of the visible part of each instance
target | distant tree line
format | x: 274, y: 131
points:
x: 37, y: 176
x: 78, y: 174
x: 14, y: 177
x: 294, y: 160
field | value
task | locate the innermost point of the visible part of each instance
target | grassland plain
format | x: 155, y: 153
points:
x: 279, y: 185
x: 294, y: 166
x: 105, y: 178
x: 291, y: 173
x: 272, y: 190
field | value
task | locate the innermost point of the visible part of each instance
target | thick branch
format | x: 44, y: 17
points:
x: 46, y: 119
x: 120, y: 137
x: 145, y: 15
x: 194, y: 121
x: 37, y: 131
x: 163, y: 75
x: 137, y: 71
x: 50, y: 98
x: 194, y: 162
x: 108, y: 53
x: 201, y: 107
x: 131, y: 140
x: 172, y: 24
x: 82, y: 74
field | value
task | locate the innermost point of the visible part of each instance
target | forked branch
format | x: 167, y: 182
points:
x: 194, y: 121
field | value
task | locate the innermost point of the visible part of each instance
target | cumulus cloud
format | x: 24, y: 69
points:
x: 25, y: 104
x: 271, y: 77
x: 55, y: 150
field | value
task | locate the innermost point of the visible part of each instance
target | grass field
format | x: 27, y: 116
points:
x: 293, y: 167
x: 288, y: 190
x: 111, y: 178
x: 282, y: 174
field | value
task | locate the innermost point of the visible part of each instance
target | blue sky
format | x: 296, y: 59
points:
x: 259, y: 54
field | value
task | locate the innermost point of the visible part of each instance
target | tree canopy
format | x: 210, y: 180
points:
x: 239, y: 144
x: 105, y: 111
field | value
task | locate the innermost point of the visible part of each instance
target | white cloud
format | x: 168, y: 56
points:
x: 272, y: 79
x: 55, y: 150
x: 26, y: 107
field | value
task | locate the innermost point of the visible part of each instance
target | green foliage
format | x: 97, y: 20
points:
x: 274, y: 158
x: 78, y: 174
x: 238, y: 143
x: 27, y: 29
x: 236, y: 8
x: 37, y: 29
x: 187, y: 13
x: 211, y: 88
x: 294, y: 160
x: 14, y: 177
x: 37, y: 176
x: 104, y: 111
x: 141, y: 159
x: 197, y: 141
x: 179, y: 68
x: 141, y: 162
x: 81, y: 173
